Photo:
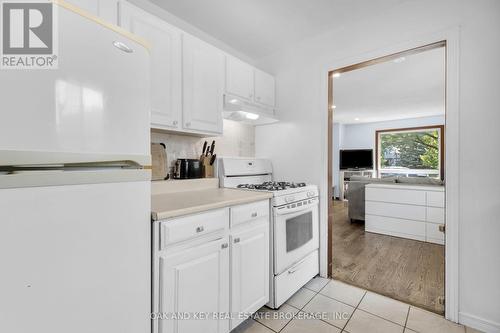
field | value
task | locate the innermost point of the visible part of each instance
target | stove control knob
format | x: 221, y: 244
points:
x: 310, y: 194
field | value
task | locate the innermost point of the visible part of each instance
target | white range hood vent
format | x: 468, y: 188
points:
x: 238, y: 109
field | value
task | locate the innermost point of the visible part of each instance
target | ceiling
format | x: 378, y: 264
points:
x: 392, y: 90
x: 258, y: 28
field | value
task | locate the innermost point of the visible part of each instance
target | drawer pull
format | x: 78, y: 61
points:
x: 200, y: 229
x: 254, y: 214
x: 224, y: 246
x: 236, y: 240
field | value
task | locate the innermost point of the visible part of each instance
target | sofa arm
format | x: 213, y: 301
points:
x: 356, y: 200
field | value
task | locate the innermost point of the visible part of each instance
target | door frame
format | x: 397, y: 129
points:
x: 451, y: 39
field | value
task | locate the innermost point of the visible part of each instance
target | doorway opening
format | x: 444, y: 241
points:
x: 386, y: 163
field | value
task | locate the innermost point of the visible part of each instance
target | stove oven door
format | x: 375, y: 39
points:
x: 296, y: 231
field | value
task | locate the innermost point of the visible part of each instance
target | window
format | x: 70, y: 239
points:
x: 410, y: 152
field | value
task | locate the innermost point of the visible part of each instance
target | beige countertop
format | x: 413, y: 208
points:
x: 168, y: 205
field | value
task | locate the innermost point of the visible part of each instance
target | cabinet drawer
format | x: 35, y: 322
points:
x: 435, y: 215
x: 249, y: 212
x: 395, y: 227
x: 433, y: 235
x: 192, y: 226
x: 435, y: 199
x: 396, y: 196
x: 409, y: 212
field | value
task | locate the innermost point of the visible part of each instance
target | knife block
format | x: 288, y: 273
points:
x: 207, y: 169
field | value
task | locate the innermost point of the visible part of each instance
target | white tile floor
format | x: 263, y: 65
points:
x: 328, y: 306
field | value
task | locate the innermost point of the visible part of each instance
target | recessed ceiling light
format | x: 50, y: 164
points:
x: 356, y: 119
x: 399, y: 60
x: 337, y: 74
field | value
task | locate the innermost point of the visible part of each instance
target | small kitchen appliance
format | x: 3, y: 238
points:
x: 187, y: 168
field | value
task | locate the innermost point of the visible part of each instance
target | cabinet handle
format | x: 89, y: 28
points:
x: 188, y: 124
x: 224, y: 246
x: 236, y: 240
x: 254, y: 214
x: 200, y: 229
x: 442, y: 228
x: 175, y: 122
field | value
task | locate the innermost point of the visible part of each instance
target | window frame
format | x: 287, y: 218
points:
x: 439, y: 128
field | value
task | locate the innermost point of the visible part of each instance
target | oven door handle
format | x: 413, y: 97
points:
x: 284, y: 210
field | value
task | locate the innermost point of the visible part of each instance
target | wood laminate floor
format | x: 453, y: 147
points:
x: 403, y: 269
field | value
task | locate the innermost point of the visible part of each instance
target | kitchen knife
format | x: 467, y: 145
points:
x: 204, y: 147
x: 212, y: 160
x: 212, y: 148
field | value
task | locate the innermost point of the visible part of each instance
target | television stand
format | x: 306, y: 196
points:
x: 345, y: 178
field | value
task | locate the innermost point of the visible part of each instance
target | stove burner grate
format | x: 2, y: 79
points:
x: 272, y: 186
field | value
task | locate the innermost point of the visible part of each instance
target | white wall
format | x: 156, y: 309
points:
x: 337, y: 136
x: 357, y: 136
x: 238, y: 140
x: 297, y: 144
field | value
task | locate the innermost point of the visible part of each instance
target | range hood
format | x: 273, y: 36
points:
x: 238, y: 109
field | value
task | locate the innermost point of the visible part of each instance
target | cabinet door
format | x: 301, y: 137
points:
x: 191, y: 281
x: 165, y: 55
x: 203, y: 86
x: 105, y: 9
x: 264, y: 88
x: 239, y: 78
x: 249, y: 270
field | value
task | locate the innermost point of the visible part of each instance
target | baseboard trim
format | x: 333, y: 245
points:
x: 478, y: 323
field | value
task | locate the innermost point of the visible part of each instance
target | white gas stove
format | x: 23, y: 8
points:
x: 294, y: 228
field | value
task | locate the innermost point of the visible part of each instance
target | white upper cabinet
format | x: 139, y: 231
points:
x: 203, y: 86
x: 249, y: 83
x: 166, y: 64
x: 105, y: 9
x: 239, y: 78
x: 264, y: 88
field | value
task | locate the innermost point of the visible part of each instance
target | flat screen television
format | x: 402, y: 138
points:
x: 356, y: 159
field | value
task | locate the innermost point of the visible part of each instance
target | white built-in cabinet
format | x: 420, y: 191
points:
x: 166, y: 62
x: 239, y: 78
x: 211, y: 262
x: 105, y: 9
x: 195, y: 280
x: 407, y: 211
x: 203, y: 85
x: 249, y: 83
x: 189, y: 77
x: 249, y: 269
x: 264, y: 88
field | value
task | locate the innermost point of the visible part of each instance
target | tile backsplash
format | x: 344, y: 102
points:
x: 238, y: 141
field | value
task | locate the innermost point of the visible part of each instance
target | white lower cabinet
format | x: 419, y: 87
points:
x: 249, y: 270
x: 213, y: 270
x: 195, y: 280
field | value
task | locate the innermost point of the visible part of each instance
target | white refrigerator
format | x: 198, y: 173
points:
x: 75, y: 186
